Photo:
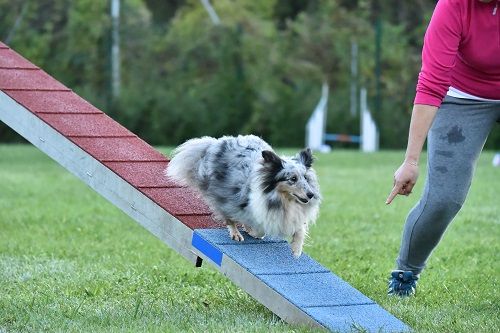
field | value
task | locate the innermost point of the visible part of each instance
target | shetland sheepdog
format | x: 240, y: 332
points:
x: 244, y: 181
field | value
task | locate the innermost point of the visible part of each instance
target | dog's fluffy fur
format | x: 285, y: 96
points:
x: 244, y: 181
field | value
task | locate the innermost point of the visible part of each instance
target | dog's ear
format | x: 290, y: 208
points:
x: 305, y: 157
x: 271, y: 158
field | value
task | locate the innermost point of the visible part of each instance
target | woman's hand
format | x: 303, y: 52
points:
x: 405, y: 178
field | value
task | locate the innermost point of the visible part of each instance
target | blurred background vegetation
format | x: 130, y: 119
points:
x: 260, y: 71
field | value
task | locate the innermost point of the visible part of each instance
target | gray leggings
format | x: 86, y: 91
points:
x: 454, y: 143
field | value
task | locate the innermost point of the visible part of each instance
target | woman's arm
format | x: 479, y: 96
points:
x: 439, y: 52
x: 406, y: 175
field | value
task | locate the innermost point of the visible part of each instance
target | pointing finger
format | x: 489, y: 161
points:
x: 394, y: 192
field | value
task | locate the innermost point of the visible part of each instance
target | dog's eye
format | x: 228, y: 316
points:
x: 293, y: 179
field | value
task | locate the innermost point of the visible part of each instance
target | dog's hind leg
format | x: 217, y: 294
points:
x: 234, y: 233
x: 298, y: 242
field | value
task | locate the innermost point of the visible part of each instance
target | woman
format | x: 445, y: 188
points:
x: 456, y: 106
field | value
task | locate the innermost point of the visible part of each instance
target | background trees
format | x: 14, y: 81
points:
x: 260, y: 71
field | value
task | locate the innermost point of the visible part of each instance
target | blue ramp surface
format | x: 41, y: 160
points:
x: 315, y: 290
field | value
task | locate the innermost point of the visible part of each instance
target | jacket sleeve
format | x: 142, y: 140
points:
x: 439, y: 52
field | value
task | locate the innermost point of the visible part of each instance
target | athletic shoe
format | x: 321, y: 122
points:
x: 402, y: 283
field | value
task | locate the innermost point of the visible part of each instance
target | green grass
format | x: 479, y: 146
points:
x: 70, y: 261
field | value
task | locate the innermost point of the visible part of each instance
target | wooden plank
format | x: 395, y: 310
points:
x: 28, y: 79
x: 299, y: 290
x: 10, y: 59
x: 53, y: 102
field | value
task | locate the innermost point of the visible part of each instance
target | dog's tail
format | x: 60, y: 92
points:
x: 185, y: 164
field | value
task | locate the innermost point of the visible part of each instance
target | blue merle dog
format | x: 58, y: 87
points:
x: 243, y: 181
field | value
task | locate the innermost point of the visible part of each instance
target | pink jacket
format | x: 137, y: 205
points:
x: 461, y: 49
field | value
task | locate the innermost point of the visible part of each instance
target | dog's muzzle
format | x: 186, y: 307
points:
x: 304, y: 201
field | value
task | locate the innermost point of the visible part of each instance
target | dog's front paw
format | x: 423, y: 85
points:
x: 297, y: 243
x: 296, y: 251
x: 235, y: 235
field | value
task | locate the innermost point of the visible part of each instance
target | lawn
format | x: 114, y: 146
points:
x: 70, y: 261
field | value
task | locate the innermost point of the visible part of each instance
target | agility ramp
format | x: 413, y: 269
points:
x: 129, y: 173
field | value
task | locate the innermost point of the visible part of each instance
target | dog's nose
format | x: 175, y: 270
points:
x: 310, y: 195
